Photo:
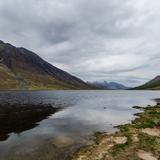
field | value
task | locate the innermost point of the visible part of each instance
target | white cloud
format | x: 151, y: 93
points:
x: 108, y: 40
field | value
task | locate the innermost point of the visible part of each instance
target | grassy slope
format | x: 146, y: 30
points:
x: 151, y: 86
x: 7, y: 79
x: 24, y: 80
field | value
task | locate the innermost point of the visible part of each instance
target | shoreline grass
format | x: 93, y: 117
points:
x: 138, y: 140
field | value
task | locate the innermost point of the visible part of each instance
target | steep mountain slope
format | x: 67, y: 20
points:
x: 23, y: 69
x: 109, y: 85
x: 154, y: 84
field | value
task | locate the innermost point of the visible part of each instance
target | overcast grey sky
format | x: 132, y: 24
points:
x: 115, y: 40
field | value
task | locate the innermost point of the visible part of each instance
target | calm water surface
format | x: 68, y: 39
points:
x: 83, y: 114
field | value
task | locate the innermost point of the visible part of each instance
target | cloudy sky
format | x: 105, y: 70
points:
x: 114, y: 40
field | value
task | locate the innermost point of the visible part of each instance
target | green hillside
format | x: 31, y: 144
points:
x: 154, y: 84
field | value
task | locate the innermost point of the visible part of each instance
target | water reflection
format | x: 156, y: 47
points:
x: 84, y: 113
x: 19, y: 118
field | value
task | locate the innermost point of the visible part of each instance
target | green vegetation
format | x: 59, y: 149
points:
x: 151, y: 85
x: 154, y: 86
x: 139, y: 140
x: 149, y: 143
x: 23, y: 80
x: 118, y: 148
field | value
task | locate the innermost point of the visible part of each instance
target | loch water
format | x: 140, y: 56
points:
x: 82, y: 114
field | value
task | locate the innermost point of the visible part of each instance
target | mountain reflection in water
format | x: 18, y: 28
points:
x: 19, y: 118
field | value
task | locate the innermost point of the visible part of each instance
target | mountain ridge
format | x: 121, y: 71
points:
x: 109, y: 85
x: 23, y: 69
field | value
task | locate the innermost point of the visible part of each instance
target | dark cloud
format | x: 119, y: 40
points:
x: 106, y: 40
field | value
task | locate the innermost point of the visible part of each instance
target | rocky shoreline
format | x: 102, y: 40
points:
x: 139, y: 140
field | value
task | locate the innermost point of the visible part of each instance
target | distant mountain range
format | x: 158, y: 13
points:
x: 109, y: 85
x: 23, y: 69
x: 154, y: 84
